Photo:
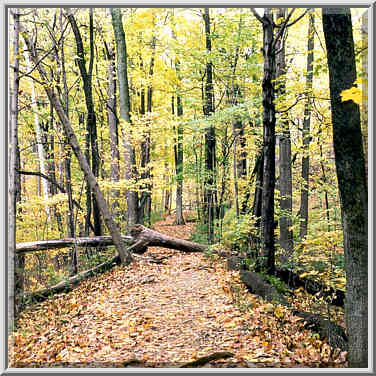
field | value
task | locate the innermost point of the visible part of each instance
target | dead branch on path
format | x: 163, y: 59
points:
x: 206, y: 359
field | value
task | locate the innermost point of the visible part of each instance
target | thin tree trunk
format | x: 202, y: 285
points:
x: 259, y: 171
x: 91, y: 125
x: 130, y: 160
x: 351, y: 174
x: 38, y: 131
x: 125, y: 256
x: 325, y: 180
x: 166, y: 195
x: 179, y: 134
x: 210, y: 138
x: 51, y: 168
x: 179, y: 163
x: 15, y: 263
x: 285, y: 174
x: 113, y: 128
x: 67, y: 165
x: 145, y: 201
x: 306, y: 132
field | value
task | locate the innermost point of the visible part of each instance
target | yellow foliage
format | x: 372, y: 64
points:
x: 355, y: 93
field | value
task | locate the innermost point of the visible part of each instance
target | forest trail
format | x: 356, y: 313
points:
x: 163, y: 315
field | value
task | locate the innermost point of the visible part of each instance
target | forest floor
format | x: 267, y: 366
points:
x: 165, y: 315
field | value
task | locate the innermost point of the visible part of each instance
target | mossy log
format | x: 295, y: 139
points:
x: 333, y: 333
x: 257, y: 285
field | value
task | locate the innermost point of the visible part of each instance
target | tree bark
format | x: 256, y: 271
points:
x: 267, y: 259
x: 285, y: 175
x: 179, y: 163
x: 15, y: 263
x: 145, y: 200
x: 210, y: 138
x: 259, y: 171
x: 350, y: 166
x: 113, y: 127
x: 125, y: 256
x: 67, y: 165
x: 306, y: 131
x: 122, y: 69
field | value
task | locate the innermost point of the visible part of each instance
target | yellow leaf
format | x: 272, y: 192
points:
x: 279, y: 312
x: 354, y: 94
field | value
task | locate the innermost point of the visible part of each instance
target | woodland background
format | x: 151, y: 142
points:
x: 178, y: 134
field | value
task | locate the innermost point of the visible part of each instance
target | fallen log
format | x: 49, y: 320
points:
x: 257, y: 285
x: 67, y: 284
x: 96, y: 241
x: 293, y: 280
x: 333, y: 333
x: 139, y: 239
x: 144, y: 237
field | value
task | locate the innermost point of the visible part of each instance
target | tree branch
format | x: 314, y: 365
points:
x: 257, y: 15
x: 300, y: 17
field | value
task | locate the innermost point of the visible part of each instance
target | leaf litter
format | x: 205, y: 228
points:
x: 165, y: 315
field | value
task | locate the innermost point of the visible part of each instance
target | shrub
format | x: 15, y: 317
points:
x: 239, y: 234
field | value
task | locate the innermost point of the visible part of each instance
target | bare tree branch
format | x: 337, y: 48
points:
x: 299, y: 18
x: 257, y: 15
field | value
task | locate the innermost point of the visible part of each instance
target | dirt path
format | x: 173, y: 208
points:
x: 161, y: 315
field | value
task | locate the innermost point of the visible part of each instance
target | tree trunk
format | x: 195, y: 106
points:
x: 51, y: 168
x: 350, y: 166
x: 179, y: 163
x: 113, y: 127
x: 91, y: 125
x: 285, y: 175
x: 15, y: 263
x: 267, y: 260
x: 70, y: 219
x: 130, y: 160
x: 239, y: 161
x: 67, y: 166
x: 210, y: 138
x: 38, y: 131
x: 125, y: 256
x: 324, y: 180
x: 178, y: 144
x: 259, y: 171
x: 306, y: 132
x: 145, y: 201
